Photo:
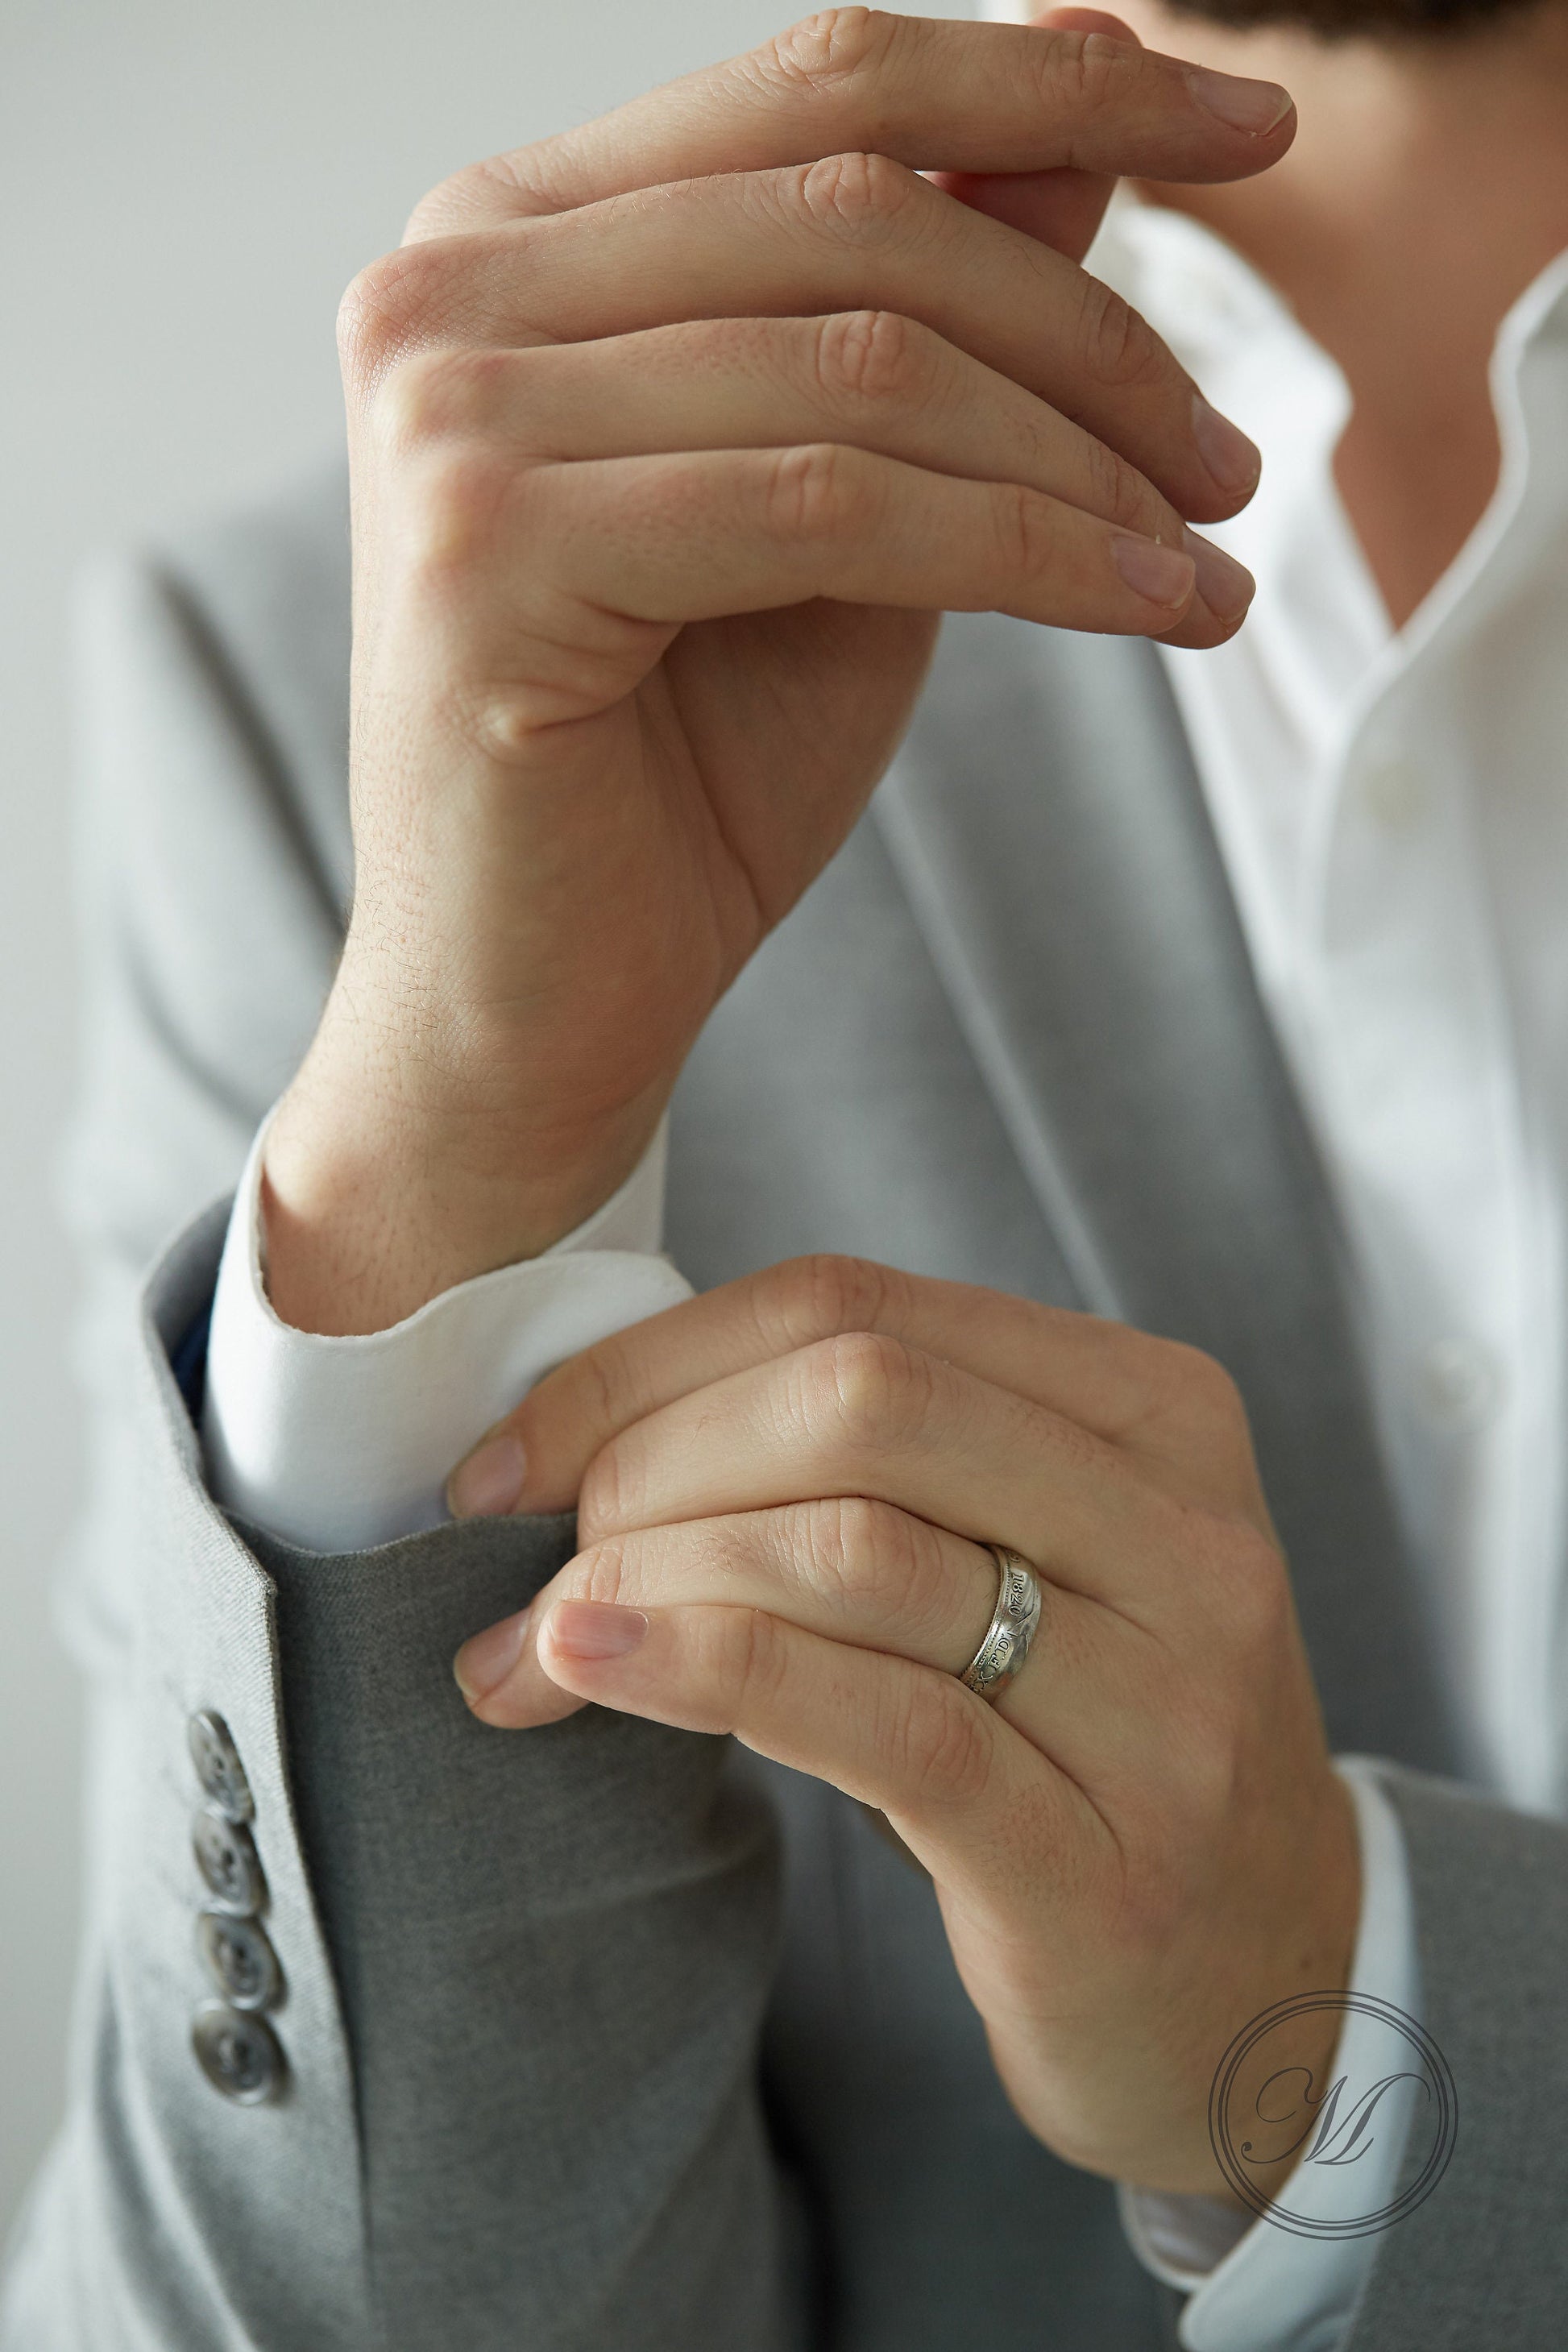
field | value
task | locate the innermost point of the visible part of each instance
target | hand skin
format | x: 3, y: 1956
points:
x: 783, y: 1490
x: 671, y: 441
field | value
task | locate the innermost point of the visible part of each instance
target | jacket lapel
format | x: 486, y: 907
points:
x: 1047, y: 822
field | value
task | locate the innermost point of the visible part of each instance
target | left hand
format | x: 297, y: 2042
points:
x: 785, y: 1490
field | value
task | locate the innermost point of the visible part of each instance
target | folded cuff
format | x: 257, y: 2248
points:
x: 340, y: 1443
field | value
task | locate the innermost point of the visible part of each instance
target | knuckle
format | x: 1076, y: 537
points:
x: 937, y: 1740
x: 1218, y: 1404
x: 1240, y: 1593
x: 504, y: 186
x: 865, y: 1388
x: 1029, y: 546
x: 434, y: 394
x: 1184, y: 1388
x: 807, y: 1298
x: 814, y: 493
x: 1215, y: 1775
x: 454, y: 500
x: 451, y: 201
x: 433, y: 214
x: 389, y: 309
x: 872, y: 355
x: 1080, y: 73
x: 755, y: 1660
x: 1206, y: 1776
x: 824, y: 52
x: 1194, y: 1373
x: 1118, y: 348
x: 599, y: 1573
x: 1118, y: 493
x: 867, y: 1555
x: 609, y: 1492
x: 606, y: 1390
x: 1153, y: 1901
x: 1204, y: 1399
x: 1251, y: 1588
x: 857, y: 195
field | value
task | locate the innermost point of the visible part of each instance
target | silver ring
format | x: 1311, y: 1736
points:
x: 1014, y: 1623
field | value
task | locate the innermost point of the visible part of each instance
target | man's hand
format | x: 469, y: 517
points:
x: 671, y: 440
x: 783, y: 1491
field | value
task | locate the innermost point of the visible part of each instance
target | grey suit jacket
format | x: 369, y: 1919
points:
x: 595, y: 2039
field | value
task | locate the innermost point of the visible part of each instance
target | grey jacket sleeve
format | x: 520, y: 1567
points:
x: 523, y: 1977
x: 1483, y: 2261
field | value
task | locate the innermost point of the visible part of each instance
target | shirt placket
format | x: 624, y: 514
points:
x: 1411, y: 1057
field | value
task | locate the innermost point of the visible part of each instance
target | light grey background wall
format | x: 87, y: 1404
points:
x: 185, y: 187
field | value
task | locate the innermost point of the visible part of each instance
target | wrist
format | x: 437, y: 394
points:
x: 1283, y: 2080
x: 375, y: 1199
x: 1291, y: 1937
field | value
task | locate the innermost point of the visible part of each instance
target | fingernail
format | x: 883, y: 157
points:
x: 1163, y: 574
x: 1233, y: 460
x: 487, y: 1485
x: 595, y: 1628
x: 1224, y: 585
x: 1254, y: 106
x: 485, y: 1662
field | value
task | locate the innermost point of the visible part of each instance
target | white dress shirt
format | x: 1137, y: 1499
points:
x: 1392, y: 812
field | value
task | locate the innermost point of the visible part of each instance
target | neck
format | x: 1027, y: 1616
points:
x: 1428, y: 186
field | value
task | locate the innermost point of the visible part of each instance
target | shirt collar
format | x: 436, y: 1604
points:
x: 1243, y: 344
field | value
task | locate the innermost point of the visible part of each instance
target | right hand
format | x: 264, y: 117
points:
x: 671, y: 439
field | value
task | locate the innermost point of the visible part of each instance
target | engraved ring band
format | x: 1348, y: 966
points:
x: 1014, y: 1623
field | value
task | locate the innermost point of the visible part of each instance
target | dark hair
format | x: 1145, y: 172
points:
x: 1343, y: 19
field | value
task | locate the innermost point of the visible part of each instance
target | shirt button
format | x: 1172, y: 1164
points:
x: 238, y: 2054
x: 1393, y: 793
x: 1460, y: 1382
x: 239, y: 1957
x: 228, y: 1862
x: 219, y: 1768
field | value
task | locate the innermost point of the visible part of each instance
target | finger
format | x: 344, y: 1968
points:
x: 968, y: 1795
x: 957, y: 1781
x: 865, y: 1415
x: 1119, y: 1383
x: 853, y: 1571
x: 1064, y: 208
x: 852, y: 232
x: 1096, y: 1694
x: 640, y: 546
x: 937, y: 96
x: 871, y: 378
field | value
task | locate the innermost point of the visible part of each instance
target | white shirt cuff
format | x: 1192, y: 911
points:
x: 1254, y: 2285
x: 337, y: 1444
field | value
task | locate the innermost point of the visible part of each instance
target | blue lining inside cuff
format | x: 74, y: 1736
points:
x: 188, y: 1362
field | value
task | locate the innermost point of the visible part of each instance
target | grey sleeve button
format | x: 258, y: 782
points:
x: 238, y: 2054
x: 228, y: 1859
x: 219, y: 1768
x: 239, y: 1957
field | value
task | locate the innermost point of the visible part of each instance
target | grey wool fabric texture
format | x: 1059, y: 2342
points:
x: 608, y: 2037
